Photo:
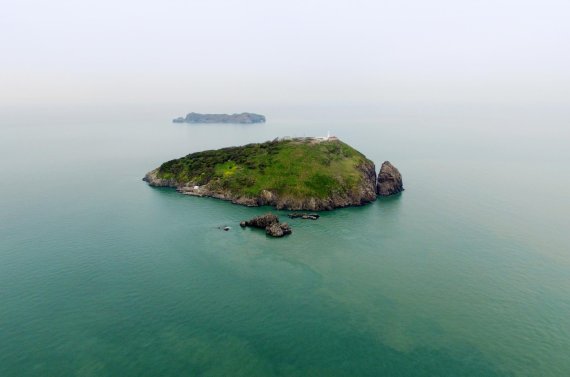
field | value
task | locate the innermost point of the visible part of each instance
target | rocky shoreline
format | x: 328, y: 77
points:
x: 304, y: 216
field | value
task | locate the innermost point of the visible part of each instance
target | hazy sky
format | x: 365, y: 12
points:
x: 260, y: 51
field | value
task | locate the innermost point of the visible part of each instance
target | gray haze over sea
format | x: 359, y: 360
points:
x: 467, y: 273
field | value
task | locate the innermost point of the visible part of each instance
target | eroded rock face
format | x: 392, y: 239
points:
x: 278, y: 229
x: 270, y: 223
x: 152, y: 179
x: 389, y: 180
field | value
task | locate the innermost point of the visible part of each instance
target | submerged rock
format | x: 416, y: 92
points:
x: 389, y: 180
x: 304, y: 216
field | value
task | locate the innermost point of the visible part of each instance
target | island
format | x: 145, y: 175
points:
x: 311, y: 174
x: 243, y: 118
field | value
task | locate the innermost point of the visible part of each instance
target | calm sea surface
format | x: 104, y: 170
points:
x: 465, y: 274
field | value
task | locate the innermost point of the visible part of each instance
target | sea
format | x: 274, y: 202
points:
x: 466, y: 273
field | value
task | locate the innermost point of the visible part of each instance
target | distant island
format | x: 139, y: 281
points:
x: 289, y: 173
x: 243, y: 118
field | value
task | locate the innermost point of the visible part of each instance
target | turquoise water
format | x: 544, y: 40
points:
x: 467, y: 273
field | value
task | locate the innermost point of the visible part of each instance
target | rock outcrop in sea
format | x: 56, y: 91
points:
x: 243, y: 118
x: 270, y: 223
x: 389, y: 180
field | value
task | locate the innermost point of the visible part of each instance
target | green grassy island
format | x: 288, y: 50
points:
x: 296, y: 174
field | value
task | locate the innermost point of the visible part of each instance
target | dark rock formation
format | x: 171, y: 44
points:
x: 262, y: 221
x: 278, y: 229
x: 304, y: 216
x: 270, y: 223
x: 244, y: 118
x: 389, y: 180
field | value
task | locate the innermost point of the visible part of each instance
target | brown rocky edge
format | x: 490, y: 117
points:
x: 270, y: 223
x: 366, y: 193
x: 304, y: 216
x: 389, y: 180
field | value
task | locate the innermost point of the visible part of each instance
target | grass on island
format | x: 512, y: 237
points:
x: 295, y: 168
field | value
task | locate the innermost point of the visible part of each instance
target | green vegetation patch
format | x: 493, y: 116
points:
x: 294, y: 168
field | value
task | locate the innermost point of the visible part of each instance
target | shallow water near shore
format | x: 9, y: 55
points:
x: 467, y: 273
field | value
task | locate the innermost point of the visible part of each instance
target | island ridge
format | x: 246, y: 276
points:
x: 243, y: 118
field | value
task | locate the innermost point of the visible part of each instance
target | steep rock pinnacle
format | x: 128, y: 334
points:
x: 389, y: 180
